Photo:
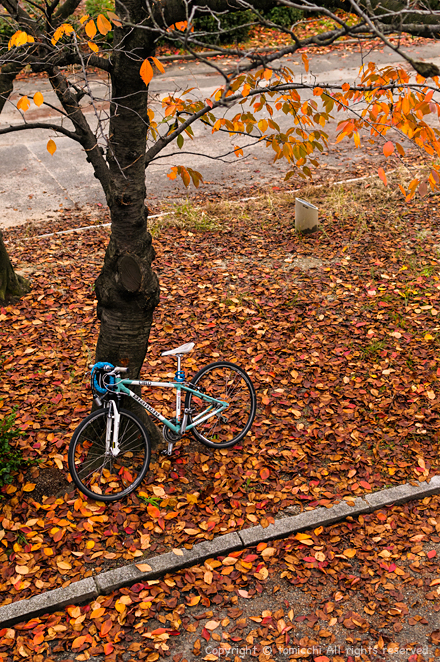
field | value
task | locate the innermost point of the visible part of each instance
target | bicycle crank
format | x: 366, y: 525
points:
x: 171, y: 437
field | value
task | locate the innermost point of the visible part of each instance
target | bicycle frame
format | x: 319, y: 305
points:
x: 214, y: 407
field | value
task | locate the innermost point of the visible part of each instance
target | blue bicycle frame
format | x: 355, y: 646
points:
x: 214, y: 407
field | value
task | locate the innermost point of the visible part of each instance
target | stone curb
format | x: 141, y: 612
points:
x: 106, y: 582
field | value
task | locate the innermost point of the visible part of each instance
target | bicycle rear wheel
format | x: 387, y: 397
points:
x: 99, y: 474
x: 224, y: 381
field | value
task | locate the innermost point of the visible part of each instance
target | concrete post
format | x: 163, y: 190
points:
x: 306, y: 216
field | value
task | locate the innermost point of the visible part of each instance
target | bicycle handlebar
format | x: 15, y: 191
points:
x: 115, y: 370
x: 110, y: 371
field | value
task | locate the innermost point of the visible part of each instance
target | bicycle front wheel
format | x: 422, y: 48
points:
x: 227, y: 382
x: 100, y: 474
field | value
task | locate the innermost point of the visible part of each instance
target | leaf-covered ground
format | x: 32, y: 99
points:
x: 364, y: 589
x: 338, y: 331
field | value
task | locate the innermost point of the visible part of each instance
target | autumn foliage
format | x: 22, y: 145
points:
x: 398, y: 107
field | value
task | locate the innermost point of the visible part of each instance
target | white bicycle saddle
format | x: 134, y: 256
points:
x: 183, y: 349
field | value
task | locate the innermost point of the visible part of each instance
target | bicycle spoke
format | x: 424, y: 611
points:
x: 102, y: 473
x: 227, y: 383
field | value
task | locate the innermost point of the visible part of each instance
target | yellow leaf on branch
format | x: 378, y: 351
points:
x: 51, y: 148
x: 382, y: 175
x: 305, y: 60
x: 146, y: 72
x: 90, y: 29
x: 186, y: 179
x: 23, y: 104
x: 20, y: 38
x: 103, y: 24
x: 388, y: 148
x: 63, y: 29
x: 114, y: 19
x: 159, y: 65
x: 38, y: 98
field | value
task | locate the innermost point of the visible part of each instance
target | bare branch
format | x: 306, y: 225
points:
x: 17, y: 12
x: 66, y: 10
x: 40, y: 125
x: 425, y: 69
x: 82, y: 129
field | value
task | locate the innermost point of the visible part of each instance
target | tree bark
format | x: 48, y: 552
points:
x: 127, y: 288
x: 11, y: 284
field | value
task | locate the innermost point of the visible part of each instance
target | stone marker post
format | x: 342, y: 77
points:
x: 306, y: 216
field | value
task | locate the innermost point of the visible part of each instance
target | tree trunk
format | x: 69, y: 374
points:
x: 127, y: 288
x: 11, y: 284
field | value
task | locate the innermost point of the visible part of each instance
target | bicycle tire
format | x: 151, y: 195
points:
x: 91, y: 431
x: 237, y: 419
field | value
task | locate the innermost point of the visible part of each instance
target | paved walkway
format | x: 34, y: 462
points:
x: 34, y: 184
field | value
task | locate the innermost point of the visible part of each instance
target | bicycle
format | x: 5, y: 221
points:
x: 109, y: 452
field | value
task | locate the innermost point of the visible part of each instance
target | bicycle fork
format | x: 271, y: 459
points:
x: 112, y: 430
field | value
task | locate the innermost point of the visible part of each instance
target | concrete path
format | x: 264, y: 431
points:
x: 34, y: 184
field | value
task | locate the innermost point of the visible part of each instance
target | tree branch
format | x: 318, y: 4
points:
x: 7, y: 77
x: 425, y: 69
x: 82, y: 129
x: 220, y: 157
x: 66, y: 10
x: 40, y: 125
x: 20, y: 15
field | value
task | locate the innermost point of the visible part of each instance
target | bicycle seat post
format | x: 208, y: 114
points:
x: 180, y: 375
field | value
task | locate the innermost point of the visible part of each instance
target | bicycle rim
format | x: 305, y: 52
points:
x: 227, y: 382
x: 103, y: 476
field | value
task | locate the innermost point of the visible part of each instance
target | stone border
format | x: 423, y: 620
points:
x: 106, y: 582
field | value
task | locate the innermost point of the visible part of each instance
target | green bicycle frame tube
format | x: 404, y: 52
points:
x: 215, y: 406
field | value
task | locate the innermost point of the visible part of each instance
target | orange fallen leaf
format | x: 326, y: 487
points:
x: 349, y: 553
x: 153, y: 511
x: 106, y: 627
x: 97, y: 613
x: 78, y: 642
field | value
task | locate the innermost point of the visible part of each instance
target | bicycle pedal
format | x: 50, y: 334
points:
x: 167, y: 451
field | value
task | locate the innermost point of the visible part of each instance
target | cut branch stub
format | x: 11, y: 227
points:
x: 130, y: 273
x: 426, y: 69
x: 11, y: 284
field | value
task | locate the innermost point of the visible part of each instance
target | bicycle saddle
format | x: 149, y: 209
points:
x: 183, y: 349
